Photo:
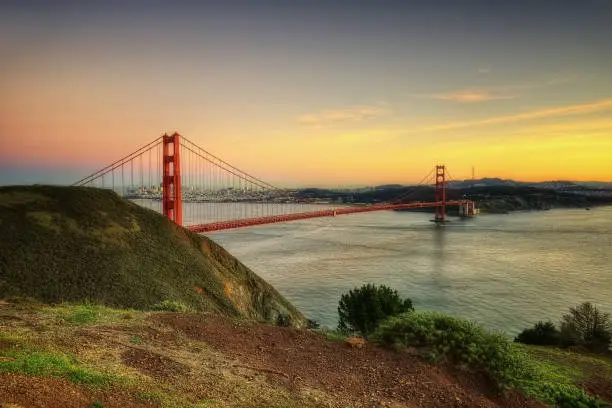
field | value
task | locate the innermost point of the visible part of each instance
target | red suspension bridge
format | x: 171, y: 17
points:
x: 204, y: 193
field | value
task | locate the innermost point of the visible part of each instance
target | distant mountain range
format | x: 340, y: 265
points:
x: 553, y: 185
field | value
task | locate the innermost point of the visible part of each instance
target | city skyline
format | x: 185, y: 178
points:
x: 311, y: 93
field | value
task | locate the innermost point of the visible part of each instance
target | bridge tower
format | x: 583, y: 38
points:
x: 171, y: 183
x: 440, y: 194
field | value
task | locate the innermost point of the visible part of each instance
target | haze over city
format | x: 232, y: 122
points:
x: 311, y: 92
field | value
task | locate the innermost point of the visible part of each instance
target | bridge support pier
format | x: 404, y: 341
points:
x: 171, y: 183
x: 440, y: 194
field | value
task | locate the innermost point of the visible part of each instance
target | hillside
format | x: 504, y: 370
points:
x: 84, y: 244
x: 90, y: 356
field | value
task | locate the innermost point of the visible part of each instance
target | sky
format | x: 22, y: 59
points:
x: 311, y: 92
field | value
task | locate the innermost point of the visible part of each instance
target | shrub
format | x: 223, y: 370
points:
x: 312, y: 324
x: 362, y: 309
x: 586, y: 326
x: 464, y: 343
x: 170, y: 306
x: 283, y: 320
x: 542, y: 334
x: 449, y: 339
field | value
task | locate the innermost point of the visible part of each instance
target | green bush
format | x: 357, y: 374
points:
x: 362, y: 309
x: 170, y: 306
x: 586, y: 326
x: 444, y: 338
x: 312, y: 324
x: 283, y: 320
x: 541, y: 334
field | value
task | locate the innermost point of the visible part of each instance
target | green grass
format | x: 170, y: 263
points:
x: 83, y: 315
x: 578, y: 366
x: 73, y: 244
x: 150, y: 396
x: 88, y: 313
x: 49, y: 364
x: 332, y: 334
x: 171, y: 306
x: 135, y: 340
x: 551, y: 382
x: 173, y: 401
x: 22, y: 357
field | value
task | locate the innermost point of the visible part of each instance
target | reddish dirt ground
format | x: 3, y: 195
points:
x: 20, y: 391
x: 600, y: 387
x: 155, y: 365
x: 368, y: 376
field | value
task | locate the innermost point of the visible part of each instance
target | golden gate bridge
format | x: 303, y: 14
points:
x: 176, y: 171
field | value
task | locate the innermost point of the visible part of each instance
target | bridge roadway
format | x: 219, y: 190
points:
x: 247, y: 222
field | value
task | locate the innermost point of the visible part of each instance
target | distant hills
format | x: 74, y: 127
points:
x: 553, y: 184
x: 493, y: 195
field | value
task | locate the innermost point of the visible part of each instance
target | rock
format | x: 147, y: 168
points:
x: 357, y: 342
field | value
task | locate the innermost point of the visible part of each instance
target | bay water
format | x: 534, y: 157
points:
x: 504, y: 271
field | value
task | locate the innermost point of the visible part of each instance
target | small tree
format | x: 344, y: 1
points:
x: 283, y: 320
x: 541, y: 334
x: 362, y: 309
x: 586, y: 326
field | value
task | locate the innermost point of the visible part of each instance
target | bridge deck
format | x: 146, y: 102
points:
x: 247, y: 222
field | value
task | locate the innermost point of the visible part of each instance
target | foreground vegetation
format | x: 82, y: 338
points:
x: 445, y: 339
x: 584, y: 326
x: 85, y: 345
x: 442, y: 338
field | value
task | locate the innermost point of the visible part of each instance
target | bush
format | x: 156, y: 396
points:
x: 170, y: 306
x: 312, y: 324
x: 444, y: 338
x: 542, y: 334
x: 283, y: 320
x: 586, y: 326
x: 362, y: 309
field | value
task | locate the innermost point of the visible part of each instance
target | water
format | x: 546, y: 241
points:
x: 504, y: 271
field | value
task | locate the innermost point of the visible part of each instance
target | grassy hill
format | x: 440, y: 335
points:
x: 68, y: 356
x: 83, y: 244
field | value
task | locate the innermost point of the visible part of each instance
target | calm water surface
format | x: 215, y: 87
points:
x: 505, y: 271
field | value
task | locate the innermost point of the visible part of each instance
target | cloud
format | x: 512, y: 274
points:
x: 598, y: 106
x: 472, y: 95
x: 494, y: 92
x: 349, y: 114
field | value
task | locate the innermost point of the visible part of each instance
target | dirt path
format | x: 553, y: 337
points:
x: 369, y: 376
x: 21, y: 391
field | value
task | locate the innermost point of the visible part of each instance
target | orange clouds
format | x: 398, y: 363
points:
x: 474, y: 95
x: 593, y: 107
x: 350, y: 114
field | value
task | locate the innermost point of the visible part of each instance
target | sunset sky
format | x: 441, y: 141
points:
x: 311, y: 92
